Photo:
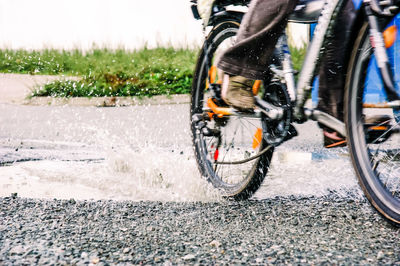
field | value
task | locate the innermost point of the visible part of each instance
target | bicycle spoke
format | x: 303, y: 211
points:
x: 213, y: 153
x: 230, y: 144
x: 375, y: 166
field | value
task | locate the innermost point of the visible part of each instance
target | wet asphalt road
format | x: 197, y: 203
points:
x: 330, y: 223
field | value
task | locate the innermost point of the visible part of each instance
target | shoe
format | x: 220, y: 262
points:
x: 237, y: 91
x: 333, y: 139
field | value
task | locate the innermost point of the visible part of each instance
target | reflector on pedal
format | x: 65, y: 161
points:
x: 378, y: 128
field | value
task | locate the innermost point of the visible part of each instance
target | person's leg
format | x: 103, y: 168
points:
x: 249, y: 58
x: 332, y: 70
x: 260, y: 29
x: 332, y: 74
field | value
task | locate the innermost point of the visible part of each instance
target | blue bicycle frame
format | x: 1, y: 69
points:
x: 384, y: 59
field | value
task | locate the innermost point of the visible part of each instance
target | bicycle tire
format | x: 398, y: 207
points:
x: 373, y: 159
x: 257, y: 168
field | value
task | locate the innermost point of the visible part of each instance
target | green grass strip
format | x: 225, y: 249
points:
x: 102, y: 72
x: 106, y: 72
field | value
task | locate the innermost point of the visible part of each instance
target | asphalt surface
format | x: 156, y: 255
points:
x: 121, y: 153
x: 126, y: 191
x: 278, y: 231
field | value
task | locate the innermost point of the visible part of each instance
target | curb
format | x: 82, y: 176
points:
x: 14, y: 89
x: 109, y: 101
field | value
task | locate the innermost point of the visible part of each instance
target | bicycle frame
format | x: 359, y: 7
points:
x: 372, y: 69
x: 301, y: 93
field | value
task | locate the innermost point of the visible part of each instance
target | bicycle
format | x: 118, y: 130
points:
x: 234, y: 149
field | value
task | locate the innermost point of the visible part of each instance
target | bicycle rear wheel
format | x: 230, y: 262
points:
x: 236, y: 138
x: 374, y: 148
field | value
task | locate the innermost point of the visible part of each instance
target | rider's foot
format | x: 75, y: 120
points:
x: 237, y: 92
x: 333, y: 139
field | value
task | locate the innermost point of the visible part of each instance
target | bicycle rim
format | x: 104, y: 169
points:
x: 374, y: 148
x: 240, y: 136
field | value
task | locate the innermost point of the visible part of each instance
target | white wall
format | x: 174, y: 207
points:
x: 69, y: 24
x: 36, y: 24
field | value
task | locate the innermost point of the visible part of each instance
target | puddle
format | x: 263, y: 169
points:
x: 161, y: 174
x: 140, y: 153
x: 149, y: 174
x: 310, y: 174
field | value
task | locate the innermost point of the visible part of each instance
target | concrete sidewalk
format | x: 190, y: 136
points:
x: 15, y: 89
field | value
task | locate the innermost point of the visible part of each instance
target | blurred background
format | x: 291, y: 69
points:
x: 115, y: 24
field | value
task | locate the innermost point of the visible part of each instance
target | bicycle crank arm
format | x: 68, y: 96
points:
x: 271, y: 111
x: 326, y: 120
x: 234, y: 112
x: 262, y: 106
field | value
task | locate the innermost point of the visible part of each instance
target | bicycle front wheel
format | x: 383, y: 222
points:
x: 224, y: 159
x: 373, y: 128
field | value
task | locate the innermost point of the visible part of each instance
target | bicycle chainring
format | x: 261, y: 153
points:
x: 277, y: 131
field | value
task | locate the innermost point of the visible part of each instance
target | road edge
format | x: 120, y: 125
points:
x: 109, y: 101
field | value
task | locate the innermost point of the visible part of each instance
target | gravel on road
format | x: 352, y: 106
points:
x: 281, y: 230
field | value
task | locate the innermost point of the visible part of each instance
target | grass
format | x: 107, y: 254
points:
x: 102, y: 72
x: 105, y: 72
x: 298, y: 55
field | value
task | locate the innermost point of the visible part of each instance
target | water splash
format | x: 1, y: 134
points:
x: 145, y: 153
x: 146, y: 174
x: 310, y: 174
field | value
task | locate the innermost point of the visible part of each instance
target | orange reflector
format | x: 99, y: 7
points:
x: 256, y: 87
x: 212, y: 73
x: 378, y: 128
x: 389, y: 35
x: 220, y: 111
x: 257, y: 138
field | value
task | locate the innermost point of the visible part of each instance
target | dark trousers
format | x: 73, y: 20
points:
x: 260, y: 29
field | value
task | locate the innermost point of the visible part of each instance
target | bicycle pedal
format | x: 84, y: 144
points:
x: 377, y: 134
x: 219, y: 102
